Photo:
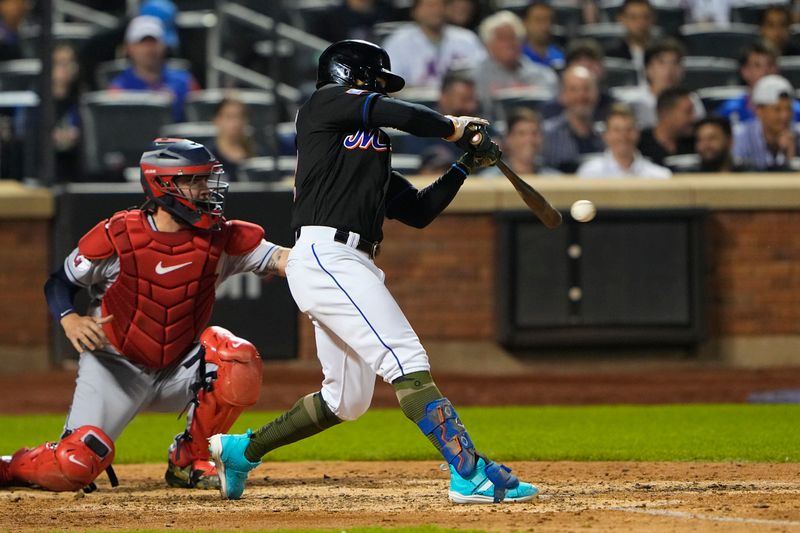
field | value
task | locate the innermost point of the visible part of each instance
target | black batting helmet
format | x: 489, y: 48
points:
x: 347, y: 61
x: 171, y: 159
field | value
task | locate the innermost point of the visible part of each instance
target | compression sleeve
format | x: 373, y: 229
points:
x: 60, y: 293
x: 412, y: 118
x: 418, y: 208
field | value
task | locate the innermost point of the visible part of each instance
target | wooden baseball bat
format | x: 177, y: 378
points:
x: 533, y: 198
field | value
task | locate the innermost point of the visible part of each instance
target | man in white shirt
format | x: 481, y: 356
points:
x: 422, y: 52
x: 621, y: 159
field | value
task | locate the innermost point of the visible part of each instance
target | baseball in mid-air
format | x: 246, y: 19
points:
x: 583, y: 210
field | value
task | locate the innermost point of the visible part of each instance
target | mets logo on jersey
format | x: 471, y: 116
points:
x: 366, y: 140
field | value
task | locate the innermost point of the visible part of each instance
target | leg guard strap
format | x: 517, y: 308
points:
x: 442, y: 422
x: 501, y: 477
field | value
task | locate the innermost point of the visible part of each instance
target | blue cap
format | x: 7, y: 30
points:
x: 166, y: 11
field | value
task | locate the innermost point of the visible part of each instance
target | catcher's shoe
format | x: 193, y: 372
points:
x: 232, y: 466
x: 5, y: 471
x: 490, y: 482
x: 198, y: 474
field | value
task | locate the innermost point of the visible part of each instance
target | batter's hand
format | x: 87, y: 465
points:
x: 460, y: 124
x: 85, y: 332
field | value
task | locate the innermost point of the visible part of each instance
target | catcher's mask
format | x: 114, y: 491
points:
x: 185, y: 179
x: 352, y: 61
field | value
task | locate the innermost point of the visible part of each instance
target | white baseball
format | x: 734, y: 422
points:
x: 583, y: 210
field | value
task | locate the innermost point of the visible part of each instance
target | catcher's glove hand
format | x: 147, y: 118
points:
x: 480, y: 150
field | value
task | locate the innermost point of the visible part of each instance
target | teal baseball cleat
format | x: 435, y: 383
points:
x: 232, y: 466
x: 490, y: 482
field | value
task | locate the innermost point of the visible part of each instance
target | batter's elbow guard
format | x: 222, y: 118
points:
x: 239, y: 366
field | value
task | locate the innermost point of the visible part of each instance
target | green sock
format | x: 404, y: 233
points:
x: 309, y: 416
x: 415, y: 391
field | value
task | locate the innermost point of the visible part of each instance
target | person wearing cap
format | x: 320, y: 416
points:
x: 145, y: 46
x: 769, y: 142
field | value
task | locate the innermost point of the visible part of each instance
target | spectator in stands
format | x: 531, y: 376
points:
x: 457, y: 97
x: 144, y: 43
x: 506, y: 67
x: 637, y: 16
x: 463, y: 13
x: 12, y: 13
x: 714, y: 145
x: 66, y: 133
x: 775, y: 28
x: 757, y: 60
x: 663, y: 70
x: 539, y: 46
x: 589, y: 54
x: 672, y: 134
x: 770, y: 142
x: 572, y: 134
x: 422, y: 52
x: 522, y: 145
x: 354, y: 19
x: 233, y: 143
x: 621, y: 159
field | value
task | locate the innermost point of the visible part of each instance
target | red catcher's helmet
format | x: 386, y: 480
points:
x: 171, y: 159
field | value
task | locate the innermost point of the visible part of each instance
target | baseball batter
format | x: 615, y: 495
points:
x: 345, y: 187
x: 151, y: 274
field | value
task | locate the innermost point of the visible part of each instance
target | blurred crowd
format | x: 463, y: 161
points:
x: 595, y: 89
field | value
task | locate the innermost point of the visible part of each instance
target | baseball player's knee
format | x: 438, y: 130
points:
x: 239, y: 367
x: 350, y: 407
x: 71, y: 464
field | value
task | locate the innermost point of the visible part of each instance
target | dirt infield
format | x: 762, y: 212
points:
x: 575, y: 496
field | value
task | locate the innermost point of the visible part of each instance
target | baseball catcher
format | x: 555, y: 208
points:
x: 151, y: 274
x: 345, y: 187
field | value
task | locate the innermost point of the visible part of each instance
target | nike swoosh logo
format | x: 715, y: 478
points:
x: 161, y: 269
x: 73, y: 460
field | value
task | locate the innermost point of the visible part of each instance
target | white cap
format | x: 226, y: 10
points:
x: 144, y: 26
x: 770, y: 89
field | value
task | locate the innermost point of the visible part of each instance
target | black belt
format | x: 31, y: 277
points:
x: 372, y: 249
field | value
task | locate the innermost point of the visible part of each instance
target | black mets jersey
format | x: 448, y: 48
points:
x: 344, y: 177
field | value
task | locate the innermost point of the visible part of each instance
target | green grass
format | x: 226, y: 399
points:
x: 757, y: 433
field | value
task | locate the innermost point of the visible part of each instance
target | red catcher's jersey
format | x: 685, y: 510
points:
x: 165, y: 291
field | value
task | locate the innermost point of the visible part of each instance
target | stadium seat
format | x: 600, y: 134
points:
x: 747, y: 14
x: 427, y: 96
x: 713, y: 97
x: 702, y: 72
x: 682, y: 162
x: 109, y: 70
x: 619, y: 73
x: 705, y: 40
x: 119, y: 125
x: 202, y: 132
x: 670, y: 19
x: 529, y: 97
x: 790, y: 69
x: 406, y: 163
x: 75, y: 34
x: 20, y: 74
x: 605, y: 33
x: 264, y: 169
x: 261, y: 110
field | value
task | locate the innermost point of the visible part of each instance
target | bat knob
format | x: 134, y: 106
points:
x: 476, y: 139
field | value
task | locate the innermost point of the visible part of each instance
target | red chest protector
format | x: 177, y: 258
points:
x: 165, y: 291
